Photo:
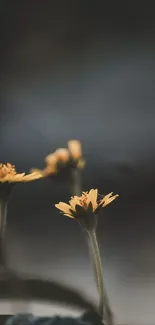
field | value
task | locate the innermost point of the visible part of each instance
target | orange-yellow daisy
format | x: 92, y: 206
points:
x: 8, y: 174
x: 86, y: 205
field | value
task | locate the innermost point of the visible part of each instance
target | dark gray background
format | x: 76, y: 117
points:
x: 85, y: 70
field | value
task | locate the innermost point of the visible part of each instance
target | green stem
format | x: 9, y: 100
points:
x: 3, y: 213
x: 13, y: 285
x: 104, y: 308
x: 76, y: 182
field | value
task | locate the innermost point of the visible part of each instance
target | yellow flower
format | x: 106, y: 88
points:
x: 63, y: 158
x: 81, y: 207
x: 8, y: 174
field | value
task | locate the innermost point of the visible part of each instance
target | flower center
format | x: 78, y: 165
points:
x: 6, y: 169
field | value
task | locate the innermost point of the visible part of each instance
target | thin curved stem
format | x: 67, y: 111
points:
x: 104, y: 307
x: 3, y: 260
x: 3, y: 214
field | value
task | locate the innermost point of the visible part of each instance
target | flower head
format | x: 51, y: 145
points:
x: 8, y: 174
x: 63, y: 159
x: 9, y: 177
x: 86, y: 206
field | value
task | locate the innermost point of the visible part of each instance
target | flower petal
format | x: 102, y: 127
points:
x: 32, y: 176
x: 75, y: 149
x: 14, y: 178
x: 47, y: 171
x: 92, y: 197
x: 110, y: 200
x: 106, y: 197
x: 62, y: 155
x: 64, y: 207
x: 51, y: 159
x: 17, y: 178
x: 74, y: 201
x: 36, y: 170
x: 68, y: 215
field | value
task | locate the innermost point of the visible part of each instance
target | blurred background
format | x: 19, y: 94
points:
x: 82, y: 70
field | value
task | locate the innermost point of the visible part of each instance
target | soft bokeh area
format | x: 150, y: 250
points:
x: 82, y: 70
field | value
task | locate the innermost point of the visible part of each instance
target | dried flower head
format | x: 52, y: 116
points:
x: 86, y: 206
x: 8, y: 174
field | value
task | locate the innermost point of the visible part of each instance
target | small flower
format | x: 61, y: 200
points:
x: 63, y: 159
x: 9, y: 177
x: 86, y: 206
x: 8, y: 174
